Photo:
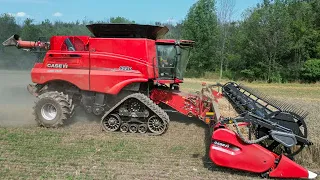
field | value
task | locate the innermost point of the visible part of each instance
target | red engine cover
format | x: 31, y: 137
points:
x: 229, y: 151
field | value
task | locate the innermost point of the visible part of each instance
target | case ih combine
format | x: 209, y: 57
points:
x: 126, y: 72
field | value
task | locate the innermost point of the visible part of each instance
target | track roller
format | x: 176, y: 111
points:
x: 133, y: 128
x: 143, y: 128
x: 124, y: 127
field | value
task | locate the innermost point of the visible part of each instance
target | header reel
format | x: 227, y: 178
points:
x: 282, y: 123
x: 274, y: 132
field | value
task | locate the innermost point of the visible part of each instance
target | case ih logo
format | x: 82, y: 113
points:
x: 61, y: 66
x: 221, y: 144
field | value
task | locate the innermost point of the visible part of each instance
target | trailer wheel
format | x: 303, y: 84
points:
x: 52, y: 109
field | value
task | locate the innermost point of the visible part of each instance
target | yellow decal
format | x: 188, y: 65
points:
x: 209, y: 113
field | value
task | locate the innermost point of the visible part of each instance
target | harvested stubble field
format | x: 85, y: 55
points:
x: 80, y: 150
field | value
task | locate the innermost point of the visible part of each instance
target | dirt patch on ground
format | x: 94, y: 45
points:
x: 81, y: 150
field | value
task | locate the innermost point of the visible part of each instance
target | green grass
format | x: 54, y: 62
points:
x: 83, y: 151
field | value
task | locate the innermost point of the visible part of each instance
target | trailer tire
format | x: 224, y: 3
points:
x: 52, y: 109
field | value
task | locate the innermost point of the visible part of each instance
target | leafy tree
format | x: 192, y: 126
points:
x: 9, y: 58
x: 174, y: 30
x: 224, y: 16
x: 267, y: 39
x: 120, y: 20
x: 29, y: 30
x: 272, y: 42
x: 8, y: 26
x: 311, y: 70
x: 200, y: 25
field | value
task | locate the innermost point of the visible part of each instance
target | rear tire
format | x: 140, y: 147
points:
x: 52, y: 109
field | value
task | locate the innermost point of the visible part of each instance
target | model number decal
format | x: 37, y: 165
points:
x: 54, y: 71
x: 125, y: 68
x: 61, y: 66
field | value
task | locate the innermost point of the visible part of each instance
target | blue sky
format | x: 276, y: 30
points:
x: 142, y: 11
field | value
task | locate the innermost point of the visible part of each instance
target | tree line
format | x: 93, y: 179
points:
x: 275, y: 41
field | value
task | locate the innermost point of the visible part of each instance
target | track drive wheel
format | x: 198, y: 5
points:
x: 52, y: 109
x: 156, y: 125
x: 112, y: 123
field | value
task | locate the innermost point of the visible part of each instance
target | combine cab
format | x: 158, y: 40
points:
x: 126, y: 71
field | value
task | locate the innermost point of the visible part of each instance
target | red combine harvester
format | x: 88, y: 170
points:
x: 126, y: 73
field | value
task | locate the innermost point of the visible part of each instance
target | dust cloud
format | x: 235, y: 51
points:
x: 15, y: 101
x: 16, y: 104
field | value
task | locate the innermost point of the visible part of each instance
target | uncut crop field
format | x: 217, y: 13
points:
x: 81, y: 150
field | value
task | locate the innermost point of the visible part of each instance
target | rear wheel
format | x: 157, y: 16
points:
x: 52, y: 109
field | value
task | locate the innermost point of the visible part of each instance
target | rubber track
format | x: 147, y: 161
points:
x: 147, y: 102
x: 64, y: 101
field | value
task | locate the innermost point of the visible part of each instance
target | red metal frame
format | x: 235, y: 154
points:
x: 104, y: 65
x: 197, y: 105
x: 286, y: 168
x: 240, y: 156
x: 186, y: 104
x: 96, y: 63
x: 228, y: 150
